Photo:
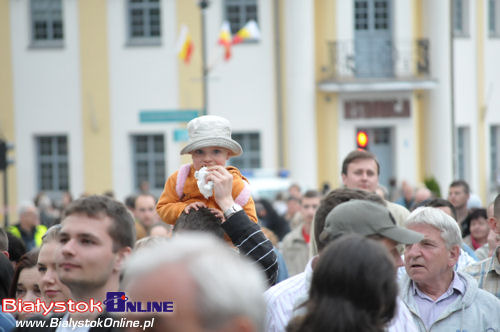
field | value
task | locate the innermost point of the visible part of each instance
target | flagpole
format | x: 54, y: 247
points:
x: 203, y: 6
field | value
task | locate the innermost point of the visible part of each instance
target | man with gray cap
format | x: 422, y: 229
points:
x: 355, y: 216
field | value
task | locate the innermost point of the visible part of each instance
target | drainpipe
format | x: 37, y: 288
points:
x: 279, y: 95
x: 452, y: 95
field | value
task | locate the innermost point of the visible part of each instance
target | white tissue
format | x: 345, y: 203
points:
x: 204, y: 186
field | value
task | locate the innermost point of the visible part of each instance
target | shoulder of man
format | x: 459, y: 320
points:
x: 292, y: 236
x: 399, y: 212
x: 476, y: 296
x: 280, y: 300
x: 477, y: 268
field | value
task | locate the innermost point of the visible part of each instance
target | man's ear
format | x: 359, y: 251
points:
x: 454, y: 255
x: 493, y: 223
x: 122, y: 255
x: 344, y: 176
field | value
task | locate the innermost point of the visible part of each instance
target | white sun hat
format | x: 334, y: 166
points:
x: 210, y: 130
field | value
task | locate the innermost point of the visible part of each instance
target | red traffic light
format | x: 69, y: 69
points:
x: 362, y: 139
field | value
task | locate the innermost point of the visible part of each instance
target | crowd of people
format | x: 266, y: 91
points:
x: 347, y: 259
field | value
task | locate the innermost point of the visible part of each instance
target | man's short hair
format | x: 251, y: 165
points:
x: 461, y: 183
x: 144, y: 195
x: 334, y: 198
x: 201, y: 220
x: 122, y: 229
x: 437, y: 203
x: 311, y: 194
x: 450, y: 232
x: 27, y: 206
x: 4, y: 240
x: 130, y: 201
x: 228, y: 286
x: 496, y: 208
x: 358, y: 154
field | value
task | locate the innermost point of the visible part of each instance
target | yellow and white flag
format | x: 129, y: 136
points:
x: 249, y: 31
x: 185, y: 44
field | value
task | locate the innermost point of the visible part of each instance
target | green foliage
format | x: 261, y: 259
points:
x: 431, y: 183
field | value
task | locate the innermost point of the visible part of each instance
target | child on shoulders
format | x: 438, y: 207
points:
x: 210, y: 144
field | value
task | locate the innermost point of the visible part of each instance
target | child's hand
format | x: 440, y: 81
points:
x: 223, y: 186
x: 218, y: 213
x: 195, y: 205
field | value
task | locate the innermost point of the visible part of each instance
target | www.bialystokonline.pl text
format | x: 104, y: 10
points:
x: 98, y: 322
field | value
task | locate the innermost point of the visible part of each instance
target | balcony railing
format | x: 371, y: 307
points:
x: 376, y: 58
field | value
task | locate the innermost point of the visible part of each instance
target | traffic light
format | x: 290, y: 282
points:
x: 4, y: 149
x: 3, y: 155
x: 362, y: 139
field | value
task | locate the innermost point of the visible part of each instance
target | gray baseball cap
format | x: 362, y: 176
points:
x: 366, y: 218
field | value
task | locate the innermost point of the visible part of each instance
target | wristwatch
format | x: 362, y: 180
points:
x: 232, y: 210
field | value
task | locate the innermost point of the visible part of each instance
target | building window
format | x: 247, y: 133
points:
x: 495, y: 157
x: 460, y: 18
x: 53, y: 169
x: 239, y: 12
x: 149, y: 161
x: 250, y: 143
x: 361, y: 15
x: 46, y: 22
x: 463, y: 153
x: 493, y: 18
x: 144, y: 21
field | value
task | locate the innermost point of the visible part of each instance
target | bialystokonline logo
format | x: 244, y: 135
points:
x: 115, y: 302
x: 118, y: 302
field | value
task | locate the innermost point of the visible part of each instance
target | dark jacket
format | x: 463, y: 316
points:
x: 249, y: 239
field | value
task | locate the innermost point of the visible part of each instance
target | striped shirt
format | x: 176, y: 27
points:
x: 487, y: 273
x: 281, y: 299
x: 248, y: 238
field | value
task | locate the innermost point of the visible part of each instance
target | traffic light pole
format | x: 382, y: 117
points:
x: 203, y: 6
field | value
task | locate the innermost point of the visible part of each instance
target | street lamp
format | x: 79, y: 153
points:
x: 203, y: 4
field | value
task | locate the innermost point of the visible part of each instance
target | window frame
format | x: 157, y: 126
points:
x: 244, y: 162
x: 243, y: 15
x: 464, y: 30
x: 54, y: 159
x: 50, y: 41
x: 150, y: 157
x: 494, y: 16
x: 494, y: 156
x: 147, y: 39
x: 463, y: 152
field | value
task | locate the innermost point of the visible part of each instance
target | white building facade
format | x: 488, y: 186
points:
x: 100, y: 99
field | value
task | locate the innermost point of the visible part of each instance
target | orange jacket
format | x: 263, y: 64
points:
x: 181, y: 190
